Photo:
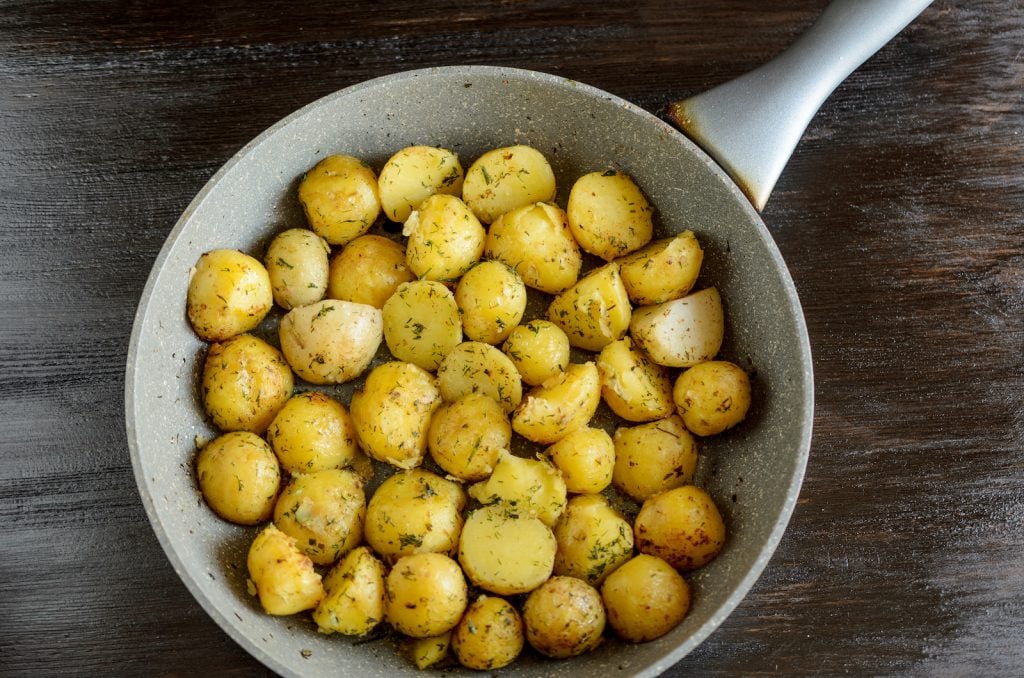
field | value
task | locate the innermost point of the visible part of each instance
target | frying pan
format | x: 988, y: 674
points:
x: 749, y: 126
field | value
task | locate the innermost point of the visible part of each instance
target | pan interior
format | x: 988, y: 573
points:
x: 754, y: 472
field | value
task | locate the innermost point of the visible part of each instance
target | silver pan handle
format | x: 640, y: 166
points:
x: 751, y: 125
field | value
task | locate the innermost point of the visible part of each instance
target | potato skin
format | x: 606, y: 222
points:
x: 445, y: 239
x: 595, y: 311
x: 535, y: 240
x: 415, y: 511
x: 368, y: 270
x: 609, y: 215
x: 504, y: 179
x: 331, y: 341
x: 296, y: 261
x: 492, y: 299
x: 539, y: 350
x: 712, y: 397
x: 239, y: 477
x: 593, y: 539
x: 283, y: 576
x: 662, y: 271
x: 354, y: 601
x: 476, y: 367
x: 681, y: 526
x: 564, y: 617
x: 426, y: 595
x: 229, y: 294
x: 586, y: 458
x: 505, y: 551
x: 324, y: 512
x: 392, y: 413
x: 562, y: 404
x: 634, y: 387
x: 653, y: 457
x: 645, y: 599
x: 415, y: 173
x: 313, y: 432
x: 246, y: 381
x: 489, y: 636
x: 681, y: 332
x: 466, y: 436
x: 421, y: 323
x: 340, y: 197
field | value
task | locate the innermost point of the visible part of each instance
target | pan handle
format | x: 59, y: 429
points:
x: 751, y: 125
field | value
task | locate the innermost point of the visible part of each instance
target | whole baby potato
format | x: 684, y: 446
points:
x: 313, y: 432
x: 531, y: 487
x: 246, y: 381
x: 492, y: 299
x: 682, y: 526
x: 229, y: 293
x: 609, y: 215
x: 586, y: 458
x: 466, y: 436
x: 593, y: 539
x: 445, y: 238
x: 331, y: 341
x: 539, y: 350
x: 340, y: 197
x: 392, y: 413
x: 653, y: 457
x: 595, y: 311
x: 415, y: 173
x: 239, y: 477
x: 297, y: 264
x: 368, y: 270
x: 421, y: 323
x: 504, y: 179
x: 426, y: 595
x: 564, y: 617
x: 476, y: 367
x: 283, y: 576
x: 354, y: 601
x: 664, y: 270
x: 681, y: 332
x: 536, y: 241
x: 324, y: 512
x: 560, y: 405
x: 645, y: 599
x: 489, y: 636
x: 415, y: 511
x: 634, y: 387
x: 506, y: 551
x: 712, y: 396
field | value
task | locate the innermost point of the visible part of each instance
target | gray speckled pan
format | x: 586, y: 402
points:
x: 754, y: 472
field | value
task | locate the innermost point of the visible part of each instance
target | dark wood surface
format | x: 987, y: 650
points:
x: 901, y: 217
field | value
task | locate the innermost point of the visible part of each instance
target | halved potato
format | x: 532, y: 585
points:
x: 681, y: 332
x: 476, y: 367
x: 354, y: 601
x: 664, y: 270
x: 284, y: 577
x: 595, y: 311
x: 530, y: 487
x: 506, y: 552
x: 560, y: 405
x: 536, y: 241
x: 634, y: 387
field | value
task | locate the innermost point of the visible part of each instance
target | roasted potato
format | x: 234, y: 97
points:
x: 392, y: 413
x: 536, y: 241
x: 653, y: 457
x: 426, y: 595
x: 354, y: 600
x: 593, y: 539
x: 415, y: 173
x: 331, y: 341
x: 560, y: 405
x: 246, y: 381
x: 421, y: 323
x: 415, y: 511
x: 504, y: 551
x: 682, y: 526
x: 504, y: 179
x: 313, y: 432
x: 476, y: 367
x: 662, y: 271
x: 239, y: 477
x: 429, y: 651
x: 368, y: 270
x: 489, y: 636
x: 445, y: 239
x: 681, y: 332
x: 297, y: 264
x: 530, y: 487
x: 564, y: 617
x: 712, y: 396
x: 229, y: 293
x: 324, y: 512
x: 634, y: 387
x: 283, y: 576
x: 595, y: 311
x: 609, y: 215
x: 340, y: 197
x: 645, y: 599
x: 467, y: 435
x: 492, y: 299
x: 539, y: 350
x: 586, y: 458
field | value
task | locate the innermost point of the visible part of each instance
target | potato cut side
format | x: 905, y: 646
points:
x: 505, y: 552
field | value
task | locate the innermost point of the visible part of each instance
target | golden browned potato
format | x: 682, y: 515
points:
x: 368, y: 270
x: 609, y: 215
x: 531, y: 487
x: 561, y: 405
x: 340, y: 197
x: 476, y: 367
x: 593, y: 539
x: 415, y: 173
x: 239, y: 477
x: 421, y: 323
x: 505, y: 551
x: 681, y: 332
x: 664, y: 270
x: 283, y: 576
x: 415, y: 511
x: 445, y: 239
x: 331, y: 341
x: 229, y: 293
x: 586, y: 458
x: 429, y: 651
x: 324, y: 512
x: 354, y: 601
x: 595, y: 311
x: 645, y: 599
x: 426, y: 595
x: 653, y: 457
x: 313, y: 432
x: 489, y: 636
x: 539, y: 350
x: 536, y: 241
x: 392, y: 413
x: 503, y: 179
x: 712, y: 396
x: 682, y: 526
x: 467, y: 435
x: 245, y: 382
x: 564, y: 617
x: 634, y: 387
x: 492, y: 299
x: 297, y: 264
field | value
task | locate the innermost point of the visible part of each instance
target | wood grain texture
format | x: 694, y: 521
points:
x: 901, y: 217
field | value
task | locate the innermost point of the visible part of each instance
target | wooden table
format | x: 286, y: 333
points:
x: 901, y: 217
